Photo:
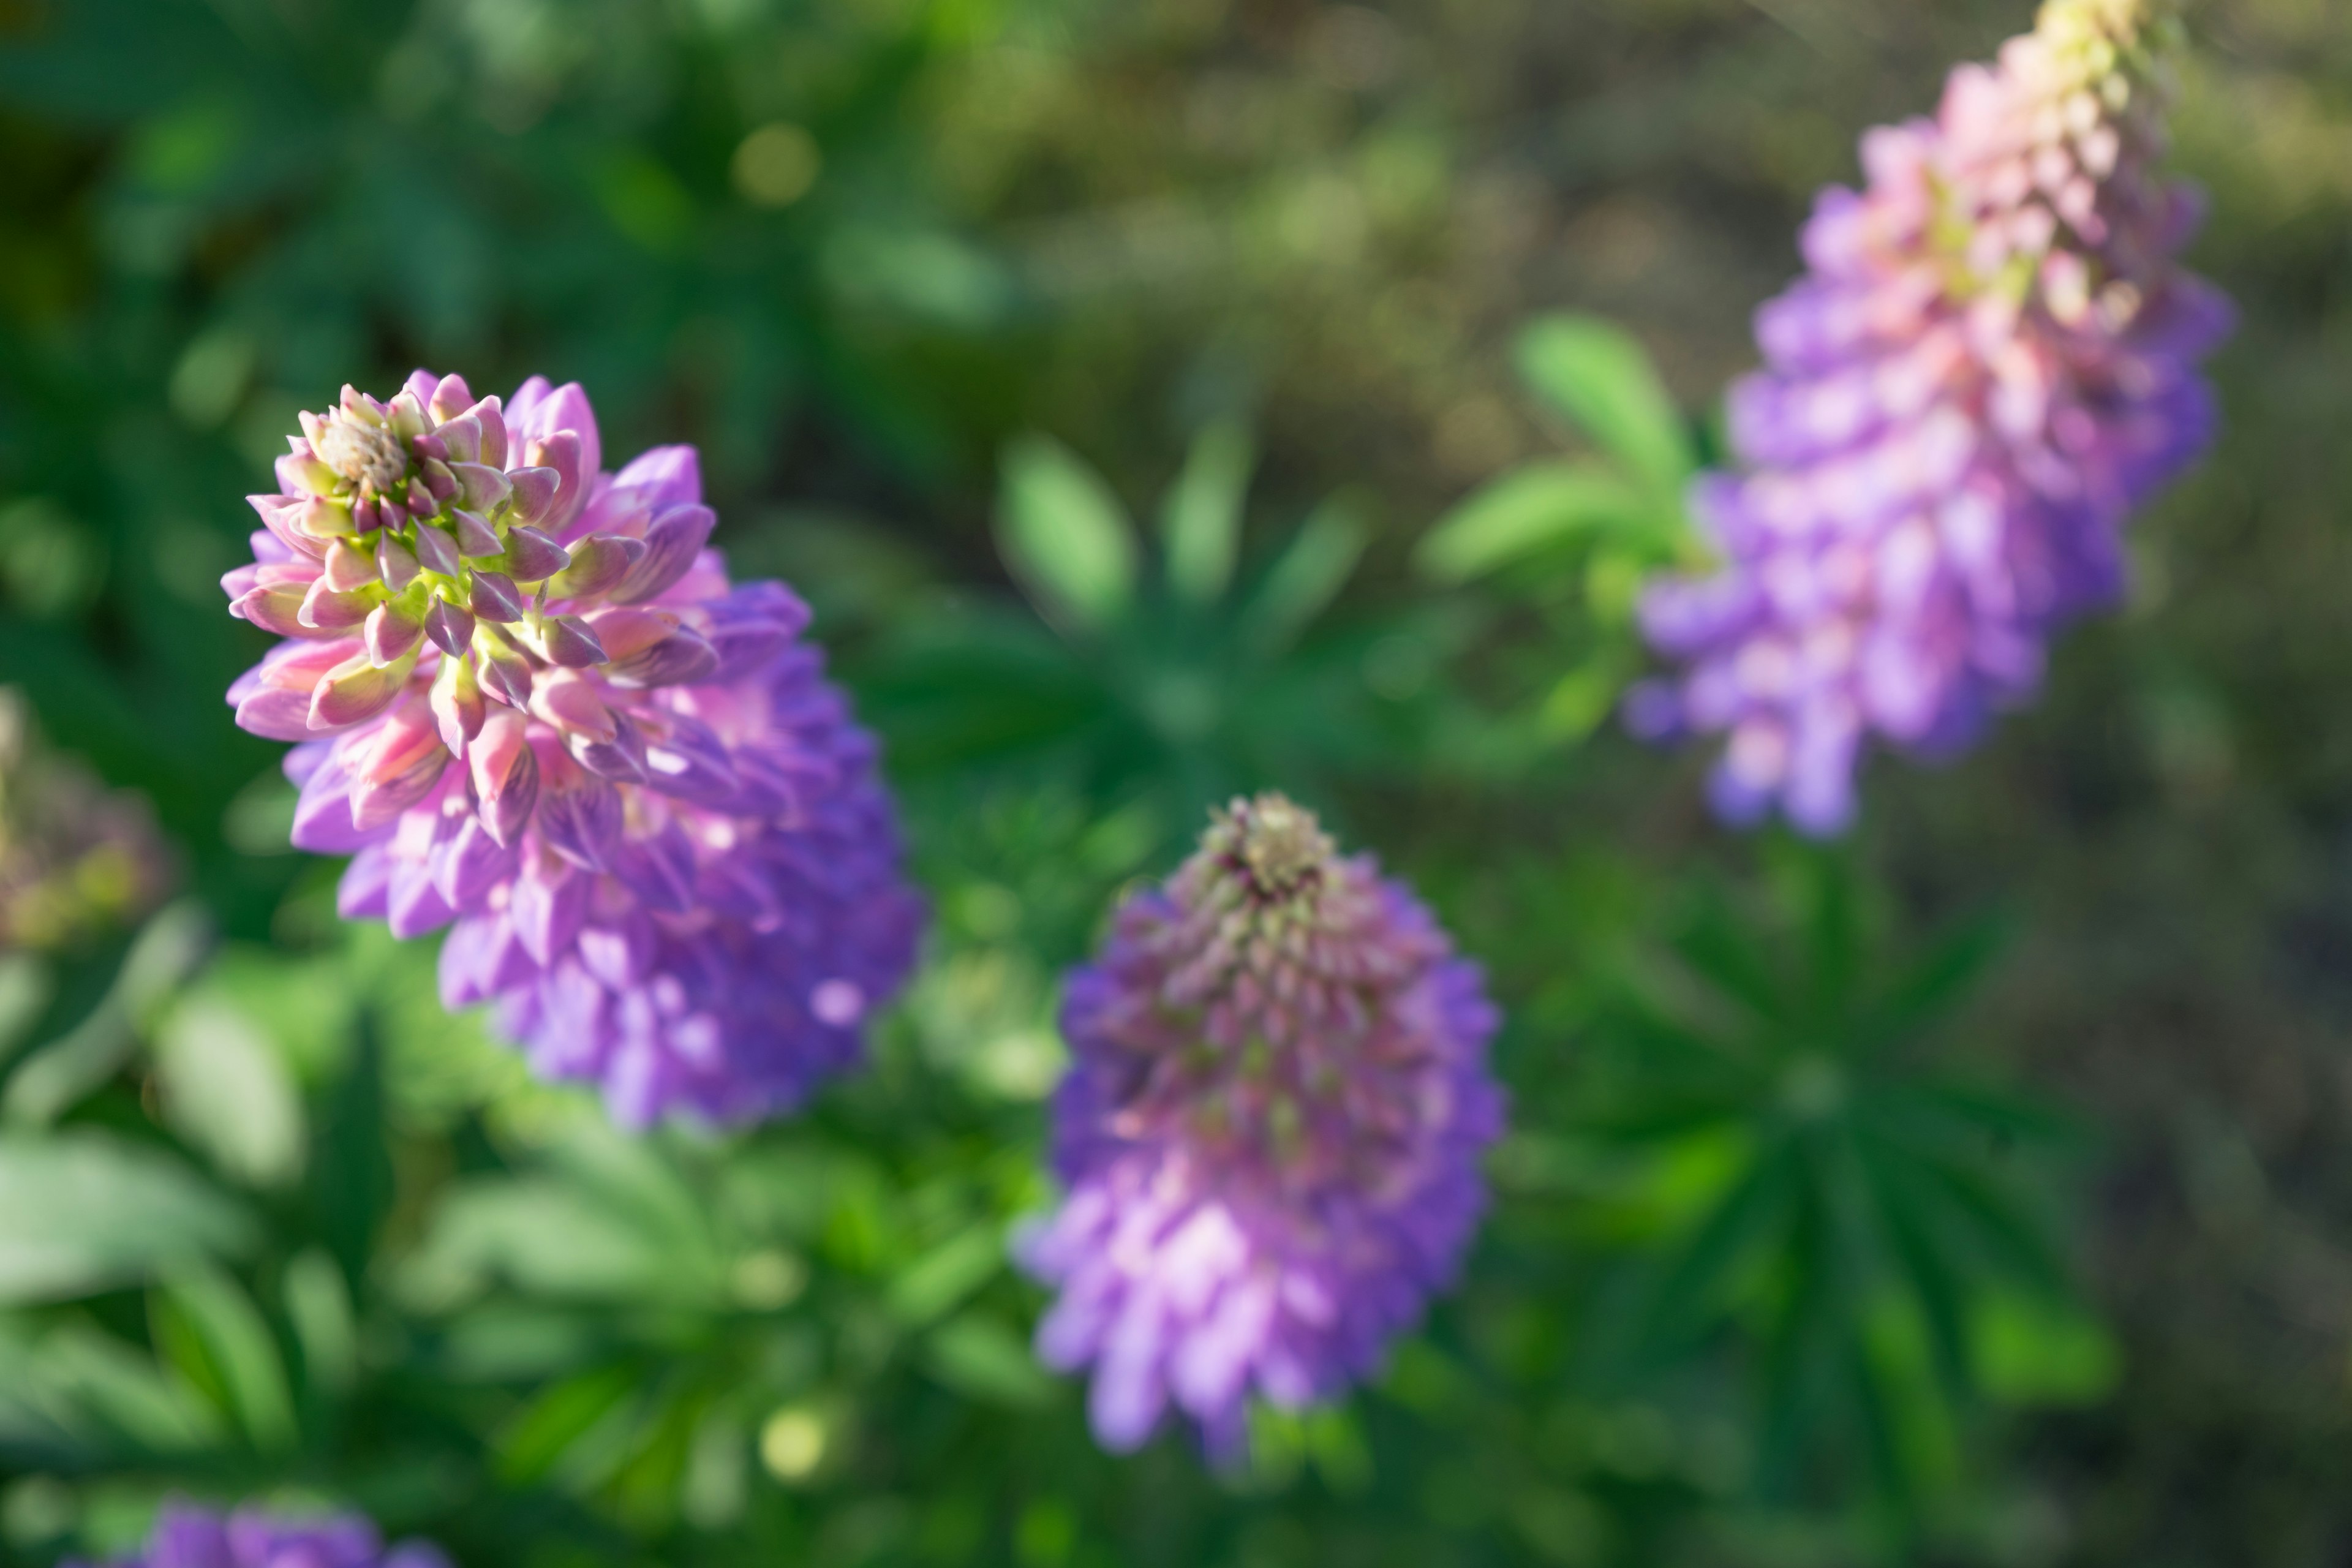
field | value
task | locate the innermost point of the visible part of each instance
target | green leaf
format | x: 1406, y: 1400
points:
x: 1703, y: 1274
x: 978, y: 1356
x: 1598, y: 376
x: 1202, y: 519
x: 2034, y: 1351
x: 84, y: 1212
x: 549, y: 1238
x: 62, y: 1072
x: 935, y: 1282
x: 227, y: 1091
x: 1538, y: 507
x: 1066, y: 537
x: 217, y: 1336
x: 319, y: 1304
x: 1306, y: 577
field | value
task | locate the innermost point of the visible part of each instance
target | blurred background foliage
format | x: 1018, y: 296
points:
x: 1156, y: 399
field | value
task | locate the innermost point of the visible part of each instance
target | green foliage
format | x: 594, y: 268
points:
x: 1576, y: 538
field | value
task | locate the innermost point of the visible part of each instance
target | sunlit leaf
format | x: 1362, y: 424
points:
x: 227, y: 1091
x: 1306, y: 577
x: 1541, y: 506
x: 84, y: 1211
x: 1201, y: 520
x: 213, y: 1333
x: 1598, y: 376
x: 1065, y: 535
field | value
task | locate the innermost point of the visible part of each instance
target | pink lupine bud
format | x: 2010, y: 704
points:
x: 534, y: 493
x: 436, y: 551
x: 407, y: 415
x: 487, y: 414
x: 530, y: 556
x: 356, y: 689
x: 561, y: 452
x: 494, y: 598
x: 505, y: 774
x: 328, y: 611
x: 321, y: 520
x: 569, y: 701
x: 348, y: 567
x: 394, y: 631
x: 460, y: 440
x: 681, y: 659
x: 483, y: 488
x: 598, y: 564
x: 398, y: 767
x: 627, y: 630
x: 450, y: 400
x: 476, y: 538
x: 394, y: 565
x: 458, y: 706
x: 505, y: 673
x: 568, y: 641
x: 450, y: 626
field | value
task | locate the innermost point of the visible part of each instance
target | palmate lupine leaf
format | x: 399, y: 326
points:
x: 1879, y: 1204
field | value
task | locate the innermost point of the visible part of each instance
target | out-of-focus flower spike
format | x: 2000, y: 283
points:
x: 1991, y: 362
x: 186, y: 1536
x: 1269, y: 1136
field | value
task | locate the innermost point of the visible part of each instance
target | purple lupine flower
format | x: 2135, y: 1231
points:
x: 532, y: 708
x: 1270, y: 1135
x: 187, y: 1536
x: 1990, y: 362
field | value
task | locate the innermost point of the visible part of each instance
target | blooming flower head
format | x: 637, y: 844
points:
x: 1270, y: 1136
x: 1991, y: 361
x: 186, y: 1536
x: 529, y: 703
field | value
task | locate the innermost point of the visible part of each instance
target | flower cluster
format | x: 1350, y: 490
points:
x: 1270, y: 1136
x: 529, y: 703
x: 76, y: 858
x: 186, y: 1536
x: 1990, y: 362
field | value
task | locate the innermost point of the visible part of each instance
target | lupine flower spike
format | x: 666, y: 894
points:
x: 186, y: 1536
x: 1270, y: 1136
x: 1989, y: 364
x: 528, y: 701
